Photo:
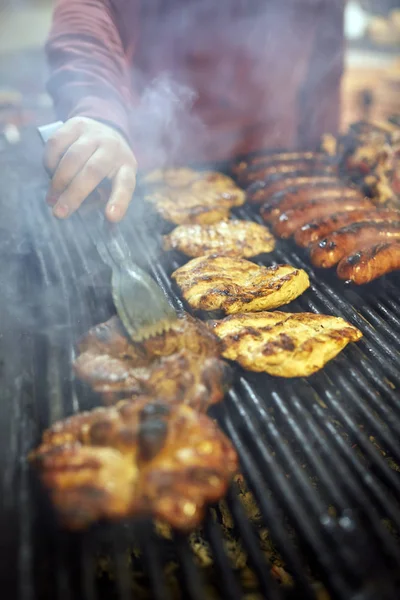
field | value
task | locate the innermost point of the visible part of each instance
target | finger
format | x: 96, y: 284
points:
x: 124, y: 183
x: 84, y: 183
x: 58, y: 144
x: 69, y: 166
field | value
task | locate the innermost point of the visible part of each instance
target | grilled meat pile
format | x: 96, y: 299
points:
x: 184, y: 196
x: 235, y: 284
x: 284, y: 344
x: 140, y: 457
x: 337, y: 222
x: 226, y: 238
x: 370, y: 154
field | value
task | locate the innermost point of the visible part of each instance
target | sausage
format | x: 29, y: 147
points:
x: 270, y: 158
x: 261, y: 191
x: 329, y: 251
x: 370, y: 263
x: 283, y: 201
x: 291, y: 168
x: 288, y: 222
x: 319, y: 228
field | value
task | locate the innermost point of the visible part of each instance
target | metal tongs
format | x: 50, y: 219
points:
x: 140, y: 303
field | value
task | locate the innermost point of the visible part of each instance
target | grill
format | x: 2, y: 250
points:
x: 319, y: 455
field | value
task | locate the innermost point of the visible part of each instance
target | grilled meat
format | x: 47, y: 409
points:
x: 185, y: 196
x: 185, y: 178
x: 136, y: 458
x: 233, y: 284
x: 284, y: 344
x: 315, y: 230
x: 260, y: 192
x: 283, y: 201
x: 290, y: 221
x: 277, y: 158
x: 329, y: 251
x: 227, y: 238
x: 370, y: 263
x: 181, y: 365
x: 296, y: 168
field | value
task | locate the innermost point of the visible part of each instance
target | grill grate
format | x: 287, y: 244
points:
x: 319, y: 455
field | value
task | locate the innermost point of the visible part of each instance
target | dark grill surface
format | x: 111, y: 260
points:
x: 319, y: 454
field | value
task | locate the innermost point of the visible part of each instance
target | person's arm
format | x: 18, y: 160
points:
x: 89, y: 83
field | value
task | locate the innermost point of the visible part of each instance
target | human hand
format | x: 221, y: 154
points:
x: 79, y: 155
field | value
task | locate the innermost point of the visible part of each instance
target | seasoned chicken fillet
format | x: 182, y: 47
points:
x: 284, y: 344
x: 238, y: 285
x: 181, y: 365
x: 185, y: 177
x: 139, y: 457
x: 227, y: 238
x: 183, y: 196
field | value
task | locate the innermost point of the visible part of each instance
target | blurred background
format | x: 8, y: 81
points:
x: 370, y: 87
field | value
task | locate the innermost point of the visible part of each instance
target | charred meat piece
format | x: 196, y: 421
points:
x: 260, y: 192
x: 284, y: 344
x: 234, y: 285
x: 289, y: 222
x: 136, y: 458
x: 329, y: 251
x: 283, y: 201
x: 227, y: 238
x: 181, y: 365
x: 319, y: 228
x: 186, y: 196
x: 370, y: 263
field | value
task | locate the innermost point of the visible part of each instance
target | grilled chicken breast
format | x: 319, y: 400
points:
x: 180, y: 366
x: 237, y: 285
x: 283, y: 344
x: 227, y: 238
x: 185, y: 196
x: 138, y: 457
x: 184, y: 178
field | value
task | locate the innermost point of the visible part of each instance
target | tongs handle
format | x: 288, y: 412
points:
x: 111, y: 246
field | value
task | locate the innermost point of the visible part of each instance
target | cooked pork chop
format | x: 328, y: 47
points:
x: 238, y: 285
x: 181, y: 365
x: 284, y: 344
x: 227, y: 238
x: 138, y: 457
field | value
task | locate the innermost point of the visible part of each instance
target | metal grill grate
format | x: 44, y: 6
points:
x: 319, y: 454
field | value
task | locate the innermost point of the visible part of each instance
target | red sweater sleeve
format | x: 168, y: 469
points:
x: 89, y: 66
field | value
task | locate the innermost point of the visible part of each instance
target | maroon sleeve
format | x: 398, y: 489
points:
x: 89, y: 66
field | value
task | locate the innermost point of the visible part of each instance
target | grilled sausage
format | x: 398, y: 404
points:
x: 260, y: 191
x: 283, y: 201
x: 370, y: 263
x: 319, y: 228
x: 329, y: 251
x: 288, y: 222
x: 277, y: 158
x: 291, y: 168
